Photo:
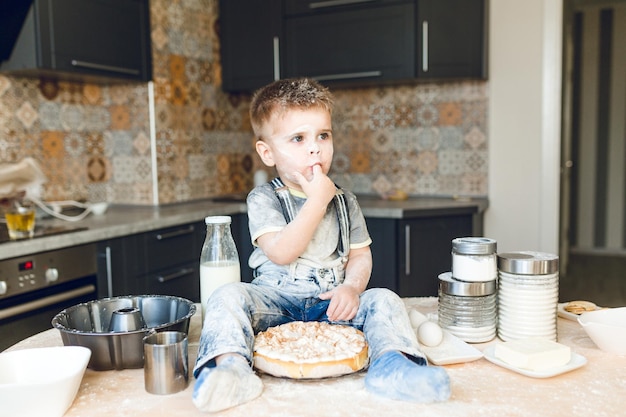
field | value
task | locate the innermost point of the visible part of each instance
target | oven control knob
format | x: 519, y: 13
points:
x: 3, y: 287
x: 52, y: 274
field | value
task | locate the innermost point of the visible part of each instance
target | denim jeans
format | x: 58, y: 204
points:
x: 236, y: 312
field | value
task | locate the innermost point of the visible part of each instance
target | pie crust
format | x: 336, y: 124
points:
x: 310, y: 350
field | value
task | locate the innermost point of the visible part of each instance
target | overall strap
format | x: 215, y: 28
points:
x: 341, y: 206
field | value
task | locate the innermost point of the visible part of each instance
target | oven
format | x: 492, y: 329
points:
x: 34, y: 288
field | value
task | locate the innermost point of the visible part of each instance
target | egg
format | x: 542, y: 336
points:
x: 429, y: 334
x: 416, y: 318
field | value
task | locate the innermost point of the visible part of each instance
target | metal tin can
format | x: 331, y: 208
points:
x: 528, y: 295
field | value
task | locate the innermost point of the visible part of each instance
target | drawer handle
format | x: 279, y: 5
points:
x: 333, y: 3
x: 175, y: 233
x: 349, y: 75
x: 181, y: 273
x: 93, y: 65
x: 46, y: 301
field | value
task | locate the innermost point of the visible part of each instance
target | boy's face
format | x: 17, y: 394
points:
x: 296, y: 140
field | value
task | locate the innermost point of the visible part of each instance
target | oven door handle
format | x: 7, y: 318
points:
x: 46, y: 301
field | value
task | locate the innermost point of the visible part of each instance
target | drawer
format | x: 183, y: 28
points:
x: 165, y: 248
x: 182, y: 281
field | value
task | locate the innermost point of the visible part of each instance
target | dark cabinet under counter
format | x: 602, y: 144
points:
x: 412, y: 240
x: 164, y: 262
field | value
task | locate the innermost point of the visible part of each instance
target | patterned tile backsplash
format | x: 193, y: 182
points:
x: 94, y: 141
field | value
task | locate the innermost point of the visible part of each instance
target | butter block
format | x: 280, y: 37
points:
x: 533, y: 354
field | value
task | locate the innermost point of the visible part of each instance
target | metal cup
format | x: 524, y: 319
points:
x: 126, y: 320
x: 166, y: 368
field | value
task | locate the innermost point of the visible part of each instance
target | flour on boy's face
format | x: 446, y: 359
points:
x: 296, y: 141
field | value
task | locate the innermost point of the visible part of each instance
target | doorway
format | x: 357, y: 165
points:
x: 593, y: 183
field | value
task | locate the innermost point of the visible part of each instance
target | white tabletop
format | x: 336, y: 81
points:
x: 479, y: 388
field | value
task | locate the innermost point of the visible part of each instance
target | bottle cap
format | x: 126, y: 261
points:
x: 217, y: 219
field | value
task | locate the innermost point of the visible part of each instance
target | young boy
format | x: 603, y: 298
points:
x: 312, y: 262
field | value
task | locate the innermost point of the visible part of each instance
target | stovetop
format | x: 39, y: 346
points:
x: 40, y: 231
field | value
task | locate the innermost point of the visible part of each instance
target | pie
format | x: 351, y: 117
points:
x: 310, y: 350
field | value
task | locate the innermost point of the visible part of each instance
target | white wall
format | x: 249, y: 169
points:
x: 524, y: 124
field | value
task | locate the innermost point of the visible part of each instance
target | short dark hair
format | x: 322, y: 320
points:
x: 290, y: 93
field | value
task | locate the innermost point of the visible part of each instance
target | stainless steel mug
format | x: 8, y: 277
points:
x: 166, y: 368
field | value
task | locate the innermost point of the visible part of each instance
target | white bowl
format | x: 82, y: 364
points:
x: 41, y: 381
x: 607, y: 329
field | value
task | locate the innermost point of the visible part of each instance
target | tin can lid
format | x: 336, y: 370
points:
x: 452, y: 286
x: 528, y: 263
x: 217, y: 220
x: 474, y: 245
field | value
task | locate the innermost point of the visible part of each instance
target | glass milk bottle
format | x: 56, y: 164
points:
x: 219, y: 261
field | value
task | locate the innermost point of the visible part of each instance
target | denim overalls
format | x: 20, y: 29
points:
x: 277, y: 295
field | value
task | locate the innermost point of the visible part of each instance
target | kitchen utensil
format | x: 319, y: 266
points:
x: 607, y: 328
x: 166, y: 368
x: 87, y: 324
x: 41, y: 381
x: 126, y: 319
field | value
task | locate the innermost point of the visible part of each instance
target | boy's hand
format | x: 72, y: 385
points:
x: 321, y: 188
x: 344, y: 302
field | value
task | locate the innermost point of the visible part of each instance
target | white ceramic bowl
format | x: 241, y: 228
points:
x: 607, y: 328
x: 41, y: 381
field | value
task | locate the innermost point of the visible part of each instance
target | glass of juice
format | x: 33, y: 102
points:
x: 20, y: 218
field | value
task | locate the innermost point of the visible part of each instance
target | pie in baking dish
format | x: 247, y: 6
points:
x: 310, y: 350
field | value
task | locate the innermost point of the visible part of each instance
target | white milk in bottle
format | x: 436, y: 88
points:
x: 219, y: 260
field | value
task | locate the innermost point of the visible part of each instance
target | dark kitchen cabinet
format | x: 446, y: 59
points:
x: 250, y: 33
x: 119, y: 267
x: 365, y: 42
x: 164, y: 261
x: 171, y: 260
x: 93, y: 40
x: 452, y: 39
x: 351, y: 43
x: 409, y: 254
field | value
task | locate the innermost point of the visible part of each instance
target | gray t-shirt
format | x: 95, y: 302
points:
x: 265, y: 215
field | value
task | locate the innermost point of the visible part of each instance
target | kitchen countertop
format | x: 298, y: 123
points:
x: 120, y: 221
x: 479, y: 388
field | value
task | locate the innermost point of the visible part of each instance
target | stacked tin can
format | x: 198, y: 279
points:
x: 528, y: 295
x: 468, y: 294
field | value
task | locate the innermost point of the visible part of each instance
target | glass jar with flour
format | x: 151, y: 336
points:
x: 474, y: 259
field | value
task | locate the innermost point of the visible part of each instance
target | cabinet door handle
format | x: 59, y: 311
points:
x: 349, y: 75
x: 108, y: 258
x: 179, y: 274
x: 407, y: 249
x: 425, y: 46
x: 111, y: 68
x: 333, y: 3
x: 276, y: 58
x: 175, y: 233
